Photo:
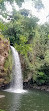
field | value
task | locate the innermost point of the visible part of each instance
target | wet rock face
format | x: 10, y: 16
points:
x: 4, y: 50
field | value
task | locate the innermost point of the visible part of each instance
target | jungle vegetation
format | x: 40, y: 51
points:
x: 31, y: 41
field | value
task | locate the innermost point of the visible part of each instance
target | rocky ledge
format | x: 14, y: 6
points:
x: 30, y: 85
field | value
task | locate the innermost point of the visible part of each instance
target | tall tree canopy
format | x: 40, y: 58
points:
x: 38, y: 5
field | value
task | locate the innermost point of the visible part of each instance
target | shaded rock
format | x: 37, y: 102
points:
x: 1, y: 81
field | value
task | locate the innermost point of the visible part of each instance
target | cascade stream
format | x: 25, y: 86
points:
x: 18, y: 80
x: 17, y: 83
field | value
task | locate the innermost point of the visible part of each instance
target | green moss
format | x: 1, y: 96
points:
x: 8, y: 67
x: 2, y: 110
x: 8, y: 62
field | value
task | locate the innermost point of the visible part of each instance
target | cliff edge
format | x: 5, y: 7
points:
x: 5, y: 62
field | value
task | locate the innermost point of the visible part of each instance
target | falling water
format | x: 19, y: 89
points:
x: 18, y: 80
x: 17, y: 83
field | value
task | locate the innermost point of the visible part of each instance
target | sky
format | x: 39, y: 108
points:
x: 41, y: 14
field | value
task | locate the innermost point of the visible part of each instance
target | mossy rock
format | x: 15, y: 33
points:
x: 8, y: 62
x: 8, y: 68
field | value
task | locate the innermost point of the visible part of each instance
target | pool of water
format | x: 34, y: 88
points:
x: 31, y: 101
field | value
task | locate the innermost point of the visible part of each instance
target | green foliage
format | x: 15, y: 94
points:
x: 47, y: 57
x: 24, y: 12
x: 38, y: 4
x: 20, y: 25
x: 32, y: 42
x: 23, y: 48
x: 41, y: 57
x: 2, y: 26
x: 2, y: 110
x: 19, y: 2
x: 8, y: 62
x: 8, y: 67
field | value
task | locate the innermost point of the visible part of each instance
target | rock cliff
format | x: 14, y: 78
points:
x: 4, y: 57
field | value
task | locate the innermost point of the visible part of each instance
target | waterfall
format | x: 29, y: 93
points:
x: 17, y: 73
x: 17, y: 83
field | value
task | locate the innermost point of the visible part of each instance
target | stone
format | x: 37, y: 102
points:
x: 4, y: 51
x: 2, y: 60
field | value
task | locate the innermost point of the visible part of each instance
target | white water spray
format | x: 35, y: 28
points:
x: 18, y: 80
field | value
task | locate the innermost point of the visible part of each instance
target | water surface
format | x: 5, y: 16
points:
x: 31, y: 101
